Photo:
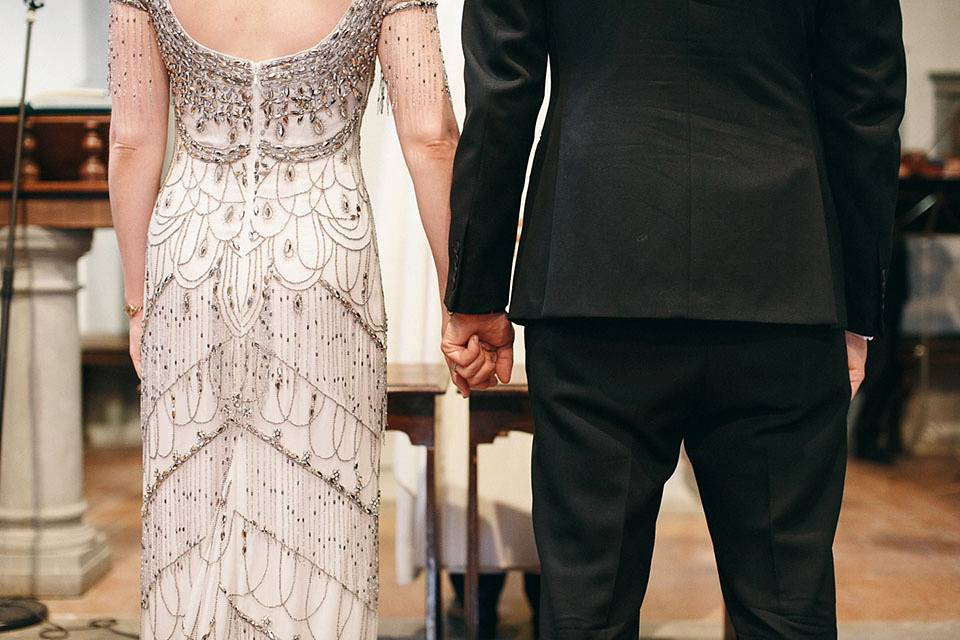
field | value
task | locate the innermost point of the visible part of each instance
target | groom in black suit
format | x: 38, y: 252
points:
x: 704, y: 249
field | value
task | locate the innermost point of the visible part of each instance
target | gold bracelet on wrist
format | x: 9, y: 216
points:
x: 131, y: 309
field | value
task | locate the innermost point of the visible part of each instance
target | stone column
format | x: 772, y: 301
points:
x: 45, y: 547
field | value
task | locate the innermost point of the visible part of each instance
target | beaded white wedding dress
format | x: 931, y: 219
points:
x: 264, y: 364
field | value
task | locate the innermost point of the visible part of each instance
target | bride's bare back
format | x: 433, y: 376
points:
x: 259, y: 29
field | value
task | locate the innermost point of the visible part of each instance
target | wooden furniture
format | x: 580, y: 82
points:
x: 106, y: 350
x: 928, y: 206
x: 928, y: 203
x: 493, y: 412
x: 412, y: 391
x: 64, y: 179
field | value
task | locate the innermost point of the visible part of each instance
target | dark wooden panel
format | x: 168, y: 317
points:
x: 59, y: 137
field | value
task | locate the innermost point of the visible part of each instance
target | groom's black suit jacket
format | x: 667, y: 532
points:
x: 706, y: 159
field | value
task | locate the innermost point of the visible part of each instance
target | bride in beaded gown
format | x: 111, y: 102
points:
x: 255, y: 265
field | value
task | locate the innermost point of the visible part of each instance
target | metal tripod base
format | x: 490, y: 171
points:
x: 16, y: 613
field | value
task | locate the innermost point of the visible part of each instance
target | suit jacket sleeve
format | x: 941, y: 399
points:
x: 859, y: 86
x: 505, y: 56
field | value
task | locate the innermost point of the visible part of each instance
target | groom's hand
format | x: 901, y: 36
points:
x: 856, y: 360
x: 478, y: 349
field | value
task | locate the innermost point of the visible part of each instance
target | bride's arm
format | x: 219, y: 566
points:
x: 426, y: 126
x: 138, y: 131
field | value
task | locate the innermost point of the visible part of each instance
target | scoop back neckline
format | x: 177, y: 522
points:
x: 336, y: 29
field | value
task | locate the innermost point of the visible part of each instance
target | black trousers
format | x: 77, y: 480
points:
x: 762, y: 412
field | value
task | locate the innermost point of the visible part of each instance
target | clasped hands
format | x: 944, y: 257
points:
x: 478, y: 350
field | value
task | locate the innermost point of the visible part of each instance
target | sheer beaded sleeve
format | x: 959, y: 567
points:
x: 413, y: 70
x: 138, y: 130
x: 137, y: 75
x: 411, y: 58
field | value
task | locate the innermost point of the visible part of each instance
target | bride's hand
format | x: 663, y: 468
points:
x: 462, y: 385
x: 472, y: 364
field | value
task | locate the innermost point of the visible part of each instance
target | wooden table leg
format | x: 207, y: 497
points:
x: 412, y: 393
x: 434, y: 622
x: 471, y: 581
x: 492, y: 413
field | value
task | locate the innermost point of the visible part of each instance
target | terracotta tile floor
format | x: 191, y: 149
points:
x: 897, y: 551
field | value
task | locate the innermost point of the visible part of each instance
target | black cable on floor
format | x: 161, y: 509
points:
x: 58, y: 632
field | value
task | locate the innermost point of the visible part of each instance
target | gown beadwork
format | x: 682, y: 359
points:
x: 264, y: 363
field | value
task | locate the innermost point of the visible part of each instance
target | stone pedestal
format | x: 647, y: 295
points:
x: 45, y: 547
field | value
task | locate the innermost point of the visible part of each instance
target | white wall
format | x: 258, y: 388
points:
x: 68, y: 47
x: 930, y: 34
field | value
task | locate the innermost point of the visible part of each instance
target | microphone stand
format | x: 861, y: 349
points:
x: 16, y: 613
